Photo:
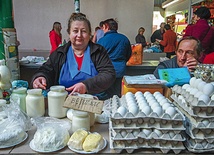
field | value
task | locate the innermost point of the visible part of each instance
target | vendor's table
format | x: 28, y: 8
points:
x: 103, y: 129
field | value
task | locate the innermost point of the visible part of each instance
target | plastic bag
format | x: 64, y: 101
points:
x: 15, y: 114
x: 52, y: 133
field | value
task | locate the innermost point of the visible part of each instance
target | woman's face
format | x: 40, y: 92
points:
x: 79, y: 34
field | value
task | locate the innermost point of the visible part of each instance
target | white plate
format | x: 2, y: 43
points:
x: 15, y: 143
x: 32, y: 146
x: 84, y: 152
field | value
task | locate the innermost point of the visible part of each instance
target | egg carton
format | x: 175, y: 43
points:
x: 130, y: 145
x: 198, y: 146
x: 195, y: 111
x: 147, y: 122
x: 146, y: 134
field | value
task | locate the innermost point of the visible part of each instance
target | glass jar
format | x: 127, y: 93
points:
x: 91, y: 115
x: 35, y: 104
x: 56, y: 99
x: 21, y: 94
x: 80, y: 120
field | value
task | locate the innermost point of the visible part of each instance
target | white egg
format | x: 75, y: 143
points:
x: 192, y: 81
x: 147, y: 132
x: 201, y: 86
x: 163, y: 101
x: 166, y: 105
x: 138, y: 93
x: 204, y: 98
x: 160, y: 98
x: 133, y: 110
x: 198, y: 94
x: 171, y: 111
x: 196, y: 83
x: 70, y: 114
x: 146, y: 110
x: 122, y: 110
x: 156, y: 93
x: 158, y: 111
x: 193, y: 91
x: 185, y: 86
x: 208, y: 89
x: 147, y: 93
x: 156, y: 104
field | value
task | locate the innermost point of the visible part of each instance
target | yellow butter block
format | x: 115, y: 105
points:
x: 77, y: 138
x: 91, y: 142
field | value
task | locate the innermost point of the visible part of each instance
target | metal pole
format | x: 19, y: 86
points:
x: 6, y: 21
x: 77, y: 6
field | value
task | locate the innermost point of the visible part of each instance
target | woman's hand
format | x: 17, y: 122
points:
x: 78, y: 88
x: 40, y: 82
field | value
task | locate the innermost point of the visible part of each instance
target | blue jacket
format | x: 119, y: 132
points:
x: 119, y: 49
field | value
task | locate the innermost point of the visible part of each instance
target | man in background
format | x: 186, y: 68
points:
x: 119, y: 50
x: 187, y: 53
x: 158, y: 34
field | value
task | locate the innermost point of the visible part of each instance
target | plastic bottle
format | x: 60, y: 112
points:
x: 21, y: 94
x: 5, y: 76
x: 35, y: 104
x: 56, y: 98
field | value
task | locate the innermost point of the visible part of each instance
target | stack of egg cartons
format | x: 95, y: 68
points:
x: 196, y: 101
x: 145, y: 121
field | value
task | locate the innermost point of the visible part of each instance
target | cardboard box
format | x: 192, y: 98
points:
x: 141, y: 87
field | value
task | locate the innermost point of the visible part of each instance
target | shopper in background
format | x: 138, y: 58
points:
x: 119, y: 51
x: 202, y: 31
x: 209, y: 58
x: 169, y: 41
x: 187, y: 52
x: 158, y: 34
x: 99, y: 33
x: 55, y: 36
x: 140, y: 37
x: 79, y: 65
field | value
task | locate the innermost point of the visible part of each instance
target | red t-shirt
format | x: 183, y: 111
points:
x: 209, y: 58
x: 79, y: 61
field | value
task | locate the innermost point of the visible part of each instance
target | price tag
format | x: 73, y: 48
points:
x: 84, y: 104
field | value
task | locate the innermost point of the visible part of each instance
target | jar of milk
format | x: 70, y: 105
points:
x: 56, y: 99
x: 35, y: 104
x: 21, y: 94
x: 80, y: 120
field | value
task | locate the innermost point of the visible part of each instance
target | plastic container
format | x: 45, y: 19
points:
x: 20, y: 93
x: 35, y: 104
x: 56, y: 99
x: 80, y: 120
x: 5, y: 76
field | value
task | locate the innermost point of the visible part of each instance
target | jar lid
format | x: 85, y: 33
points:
x: 57, y: 88
x: 20, y: 90
x: 80, y: 113
x: 37, y: 91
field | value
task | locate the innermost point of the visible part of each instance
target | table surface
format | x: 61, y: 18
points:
x: 103, y: 129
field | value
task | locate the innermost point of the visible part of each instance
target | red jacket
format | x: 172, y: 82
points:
x: 55, y: 40
x: 209, y: 58
x: 169, y: 41
x: 200, y: 31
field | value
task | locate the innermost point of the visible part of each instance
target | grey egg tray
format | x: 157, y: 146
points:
x: 196, y: 111
x: 199, y: 147
x: 130, y: 145
x: 147, y: 123
x: 133, y: 134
